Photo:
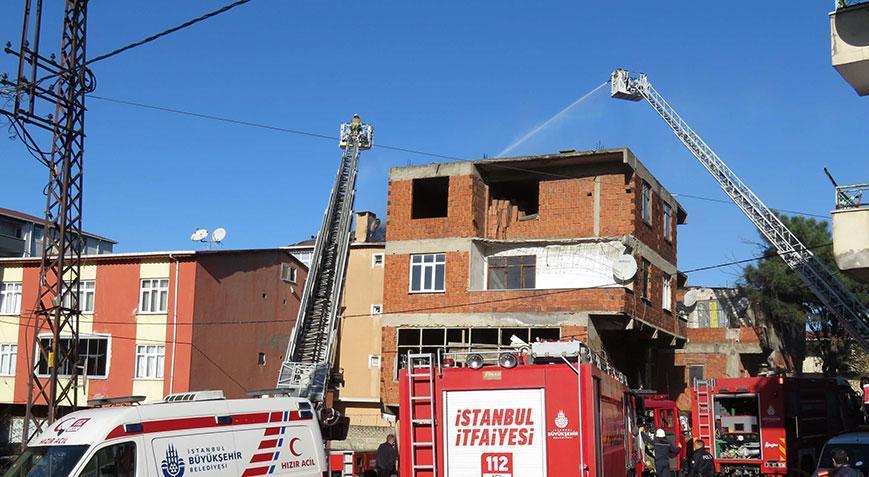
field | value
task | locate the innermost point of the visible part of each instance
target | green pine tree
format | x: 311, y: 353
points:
x: 789, y: 308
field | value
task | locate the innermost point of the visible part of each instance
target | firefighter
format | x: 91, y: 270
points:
x: 664, y: 450
x: 387, y: 456
x: 702, y: 463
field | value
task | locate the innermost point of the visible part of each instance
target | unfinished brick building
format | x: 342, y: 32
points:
x: 480, y: 251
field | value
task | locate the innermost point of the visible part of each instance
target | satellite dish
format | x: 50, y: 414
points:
x: 690, y: 298
x: 218, y: 235
x: 624, y: 268
x: 199, y: 235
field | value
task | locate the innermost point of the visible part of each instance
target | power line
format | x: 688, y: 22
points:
x: 146, y: 340
x: 737, y: 262
x: 729, y: 202
x: 167, y: 31
x: 493, y: 163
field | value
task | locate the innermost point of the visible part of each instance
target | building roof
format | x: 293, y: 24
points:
x: 167, y: 254
x: 14, y: 214
x: 540, y: 166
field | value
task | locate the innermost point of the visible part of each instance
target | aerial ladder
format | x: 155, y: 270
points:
x: 307, y: 367
x: 836, y: 297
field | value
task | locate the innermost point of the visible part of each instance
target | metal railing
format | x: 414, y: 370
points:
x: 852, y: 196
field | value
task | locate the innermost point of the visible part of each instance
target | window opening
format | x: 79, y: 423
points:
x: 522, y: 194
x: 430, y: 197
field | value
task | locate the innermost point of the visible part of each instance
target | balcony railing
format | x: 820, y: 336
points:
x: 852, y: 196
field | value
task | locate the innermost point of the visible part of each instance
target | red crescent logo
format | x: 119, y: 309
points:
x: 293, y: 448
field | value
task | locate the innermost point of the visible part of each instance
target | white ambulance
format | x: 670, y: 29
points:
x: 187, y: 435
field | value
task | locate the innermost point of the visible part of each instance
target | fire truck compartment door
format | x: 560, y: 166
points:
x: 495, y: 433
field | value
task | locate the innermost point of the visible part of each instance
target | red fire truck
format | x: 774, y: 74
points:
x: 554, y: 409
x: 347, y: 463
x: 771, y: 425
x: 657, y: 411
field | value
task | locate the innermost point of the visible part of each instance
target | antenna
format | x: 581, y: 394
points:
x: 624, y: 268
x: 218, y: 235
x: 199, y: 235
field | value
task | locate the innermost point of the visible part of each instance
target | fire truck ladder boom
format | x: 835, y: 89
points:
x: 307, y: 365
x: 837, y: 298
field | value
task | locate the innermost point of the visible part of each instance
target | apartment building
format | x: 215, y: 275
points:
x: 725, y: 340
x: 358, y: 343
x: 158, y: 323
x: 480, y: 251
x: 21, y: 236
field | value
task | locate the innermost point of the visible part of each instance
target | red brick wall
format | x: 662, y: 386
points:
x: 653, y: 234
x: 464, y: 211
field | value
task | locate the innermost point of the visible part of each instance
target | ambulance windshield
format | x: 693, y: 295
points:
x: 51, y: 461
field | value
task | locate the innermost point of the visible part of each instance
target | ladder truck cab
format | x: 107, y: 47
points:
x: 772, y: 425
x: 657, y: 411
x: 550, y: 409
x: 185, y: 435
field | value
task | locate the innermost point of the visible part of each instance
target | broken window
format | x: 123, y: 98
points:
x: 430, y: 197
x: 523, y: 194
x: 512, y: 273
x: 668, y: 221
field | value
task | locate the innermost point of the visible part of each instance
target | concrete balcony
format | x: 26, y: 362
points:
x: 851, y: 231
x: 849, y: 27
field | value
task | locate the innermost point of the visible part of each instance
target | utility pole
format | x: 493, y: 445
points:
x: 48, y: 95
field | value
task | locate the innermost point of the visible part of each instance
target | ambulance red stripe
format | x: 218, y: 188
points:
x: 268, y: 444
x: 255, y: 471
x: 191, y: 423
x: 262, y: 457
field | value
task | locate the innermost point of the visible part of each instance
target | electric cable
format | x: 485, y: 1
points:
x: 168, y: 31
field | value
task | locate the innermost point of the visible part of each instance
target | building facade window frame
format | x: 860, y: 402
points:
x: 376, y: 309
x: 647, y: 202
x: 693, y: 375
x: 375, y: 361
x: 645, y: 279
x: 427, y: 273
x: 10, y: 298
x: 154, y: 296
x: 668, y: 222
x: 289, y: 273
x: 667, y: 293
x: 86, y: 296
x: 8, y: 358
x: 377, y: 260
x: 93, y: 356
x: 517, y: 272
x: 150, y: 361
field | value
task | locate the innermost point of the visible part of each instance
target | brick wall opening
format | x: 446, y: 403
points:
x: 430, y: 197
x: 522, y: 194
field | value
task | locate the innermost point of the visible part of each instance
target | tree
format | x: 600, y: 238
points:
x: 790, y: 309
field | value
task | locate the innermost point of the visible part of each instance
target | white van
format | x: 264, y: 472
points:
x: 197, y: 434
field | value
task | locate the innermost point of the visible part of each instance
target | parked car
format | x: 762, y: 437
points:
x: 856, y: 444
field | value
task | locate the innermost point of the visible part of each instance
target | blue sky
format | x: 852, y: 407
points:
x: 457, y: 78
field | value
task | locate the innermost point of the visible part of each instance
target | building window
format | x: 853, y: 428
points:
x: 377, y: 260
x: 154, y: 295
x: 374, y: 360
x: 427, y: 272
x: 645, y: 284
x: 92, y: 352
x: 288, y: 273
x: 666, y: 294
x: 647, y: 202
x: 261, y: 359
x: 10, y: 298
x: 8, y: 355
x: 668, y: 221
x: 695, y: 373
x: 376, y: 309
x: 149, y: 361
x: 430, y: 197
x: 86, y: 295
x: 511, y: 273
